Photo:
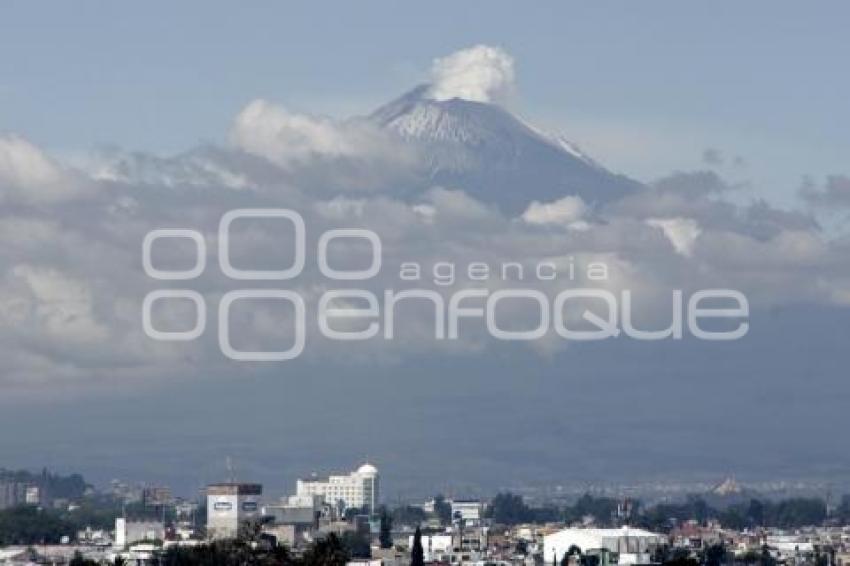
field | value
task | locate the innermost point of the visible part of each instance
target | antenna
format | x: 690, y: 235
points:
x: 230, y: 477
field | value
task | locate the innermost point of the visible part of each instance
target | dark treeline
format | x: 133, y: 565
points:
x: 28, y: 524
x: 328, y: 551
x: 510, y: 509
x: 70, y: 487
x: 331, y: 550
x: 787, y: 513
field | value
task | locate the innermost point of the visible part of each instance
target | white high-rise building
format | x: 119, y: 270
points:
x: 355, y: 490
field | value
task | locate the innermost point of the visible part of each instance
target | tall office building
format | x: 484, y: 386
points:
x: 359, y: 489
x: 230, y: 506
x: 12, y: 493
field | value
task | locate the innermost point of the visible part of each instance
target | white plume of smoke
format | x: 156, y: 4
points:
x: 481, y: 74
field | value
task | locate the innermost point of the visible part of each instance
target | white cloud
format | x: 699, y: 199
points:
x: 682, y: 232
x: 288, y: 138
x: 61, y: 306
x: 29, y: 176
x: 457, y: 205
x: 481, y: 74
x: 563, y: 211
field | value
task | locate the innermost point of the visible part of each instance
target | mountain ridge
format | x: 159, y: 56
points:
x: 495, y: 156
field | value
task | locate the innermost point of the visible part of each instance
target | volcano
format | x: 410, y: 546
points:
x: 494, y: 156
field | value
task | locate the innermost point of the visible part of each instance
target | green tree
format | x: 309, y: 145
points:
x: 573, y: 550
x: 417, y: 554
x: 228, y: 553
x: 521, y: 547
x: 30, y: 525
x: 78, y: 560
x: 327, y: 551
x: 509, y: 509
x: 357, y: 544
x: 842, y: 513
x: 765, y: 559
x: 755, y: 513
x: 408, y: 515
x: 680, y: 557
x: 715, y: 555
x: 600, y: 508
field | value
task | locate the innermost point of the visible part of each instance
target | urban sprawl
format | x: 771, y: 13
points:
x: 341, y: 519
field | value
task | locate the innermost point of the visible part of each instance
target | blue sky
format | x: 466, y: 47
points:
x: 644, y: 87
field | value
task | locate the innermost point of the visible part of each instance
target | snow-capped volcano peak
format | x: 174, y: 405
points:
x: 417, y: 116
x: 494, y: 156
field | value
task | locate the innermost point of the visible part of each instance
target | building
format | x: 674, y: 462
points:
x: 230, y: 506
x: 283, y: 534
x: 435, y: 548
x: 156, y: 496
x: 469, y: 511
x: 14, y: 493
x: 622, y: 546
x: 297, y: 510
x: 33, y: 495
x: 130, y: 532
x: 359, y: 489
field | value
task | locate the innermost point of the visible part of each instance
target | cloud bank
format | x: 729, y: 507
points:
x: 71, y: 281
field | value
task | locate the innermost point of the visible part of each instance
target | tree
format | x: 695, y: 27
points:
x: 443, y: 510
x: 602, y: 509
x: 766, y: 559
x: 250, y: 532
x: 680, y: 557
x: 755, y: 513
x: 327, y: 551
x: 78, y: 560
x: 408, y: 515
x: 234, y: 552
x: 30, y: 525
x: 521, y: 547
x: 715, y: 555
x: 417, y: 554
x: 842, y: 513
x: 385, y: 537
x: 357, y: 544
x: 659, y: 553
x: 799, y: 512
x: 573, y: 550
x: 509, y: 509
